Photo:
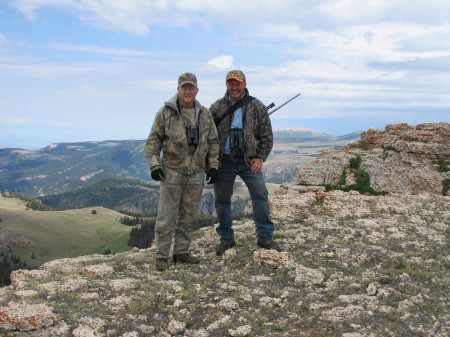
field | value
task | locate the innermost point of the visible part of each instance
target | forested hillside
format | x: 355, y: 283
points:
x: 125, y: 195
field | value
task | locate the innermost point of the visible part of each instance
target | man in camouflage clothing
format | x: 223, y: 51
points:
x: 246, y: 139
x: 185, y: 132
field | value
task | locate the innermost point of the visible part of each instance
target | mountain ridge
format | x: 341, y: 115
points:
x: 62, y: 167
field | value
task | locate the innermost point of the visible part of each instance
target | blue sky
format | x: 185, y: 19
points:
x: 90, y: 70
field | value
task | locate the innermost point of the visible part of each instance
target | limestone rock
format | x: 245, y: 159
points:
x: 308, y: 276
x: 401, y: 159
x: 241, y: 331
x: 273, y: 258
x: 175, y: 327
x: 24, y: 317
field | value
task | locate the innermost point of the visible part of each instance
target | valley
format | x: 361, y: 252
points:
x: 40, y: 236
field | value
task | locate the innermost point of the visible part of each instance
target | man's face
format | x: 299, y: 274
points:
x: 186, y: 94
x: 235, y: 89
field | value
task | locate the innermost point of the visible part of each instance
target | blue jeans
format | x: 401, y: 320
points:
x: 223, y: 190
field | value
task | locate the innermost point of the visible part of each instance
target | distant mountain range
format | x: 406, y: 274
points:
x: 63, y: 167
x: 296, y: 135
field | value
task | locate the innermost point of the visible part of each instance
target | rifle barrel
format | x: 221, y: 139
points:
x: 282, y: 105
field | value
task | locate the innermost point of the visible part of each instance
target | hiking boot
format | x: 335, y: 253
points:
x: 223, y: 246
x: 161, y: 264
x: 185, y: 258
x: 269, y: 244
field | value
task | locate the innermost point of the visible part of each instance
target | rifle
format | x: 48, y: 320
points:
x: 271, y: 105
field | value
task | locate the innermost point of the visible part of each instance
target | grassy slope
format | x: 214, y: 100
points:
x: 58, y: 234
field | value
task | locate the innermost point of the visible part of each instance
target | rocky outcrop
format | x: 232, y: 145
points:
x: 400, y: 159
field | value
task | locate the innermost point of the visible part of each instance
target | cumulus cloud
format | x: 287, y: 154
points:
x: 222, y: 62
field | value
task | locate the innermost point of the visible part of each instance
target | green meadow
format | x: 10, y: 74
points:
x: 40, y: 236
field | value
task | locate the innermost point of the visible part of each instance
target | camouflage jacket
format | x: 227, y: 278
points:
x: 168, y: 134
x: 257, y: 127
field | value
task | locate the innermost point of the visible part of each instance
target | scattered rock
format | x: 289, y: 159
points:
x: 20, y: 278
x: 175, y: 327
x: 308, y: 276
x: 372, y: 289
x: 228, y: 304
x: 25, y: 317
x: 273, y: 258
x: 241, y: 331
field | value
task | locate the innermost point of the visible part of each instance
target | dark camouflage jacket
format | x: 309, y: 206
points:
x: 168, y: 134
x: 257, y: 127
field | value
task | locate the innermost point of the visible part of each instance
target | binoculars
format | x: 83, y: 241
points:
x: 192, y: 136
x: 237, y: 141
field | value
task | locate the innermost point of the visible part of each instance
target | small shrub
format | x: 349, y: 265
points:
x: 420, y: 140
x: 304, y: 309
x: 343, y: 178
x: 401, y: 265
x: 443, y: 164
x: 445, y: 186
x: 386, y: 149
x: 355, y: 162
x: 362, y: 180
x: 94, y: 211
x: 389, y: 148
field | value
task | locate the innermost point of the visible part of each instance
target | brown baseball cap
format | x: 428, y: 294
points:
x: 187, y: 78
x: 237, y: 75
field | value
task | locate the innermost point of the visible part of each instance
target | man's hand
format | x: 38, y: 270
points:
x: 256, y: 165
x: 158, y: 174
x: 211, y: 176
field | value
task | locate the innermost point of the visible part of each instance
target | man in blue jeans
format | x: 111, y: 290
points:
x: 246, y: 139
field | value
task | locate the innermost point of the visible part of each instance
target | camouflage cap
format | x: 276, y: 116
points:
x: 187, y: 78
x: 236, y: 74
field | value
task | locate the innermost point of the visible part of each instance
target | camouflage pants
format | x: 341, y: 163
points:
x: 179, y: 200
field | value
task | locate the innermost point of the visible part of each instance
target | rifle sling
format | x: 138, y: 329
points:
x: 233, y: 108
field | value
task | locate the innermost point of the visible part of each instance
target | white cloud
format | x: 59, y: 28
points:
x: 42, y: 70
x: 132, y: 16
x: 222, y: 62
x: 381, y: 40
x: 347, y: 57
x: 106, y: 51
x: 137, y: 16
